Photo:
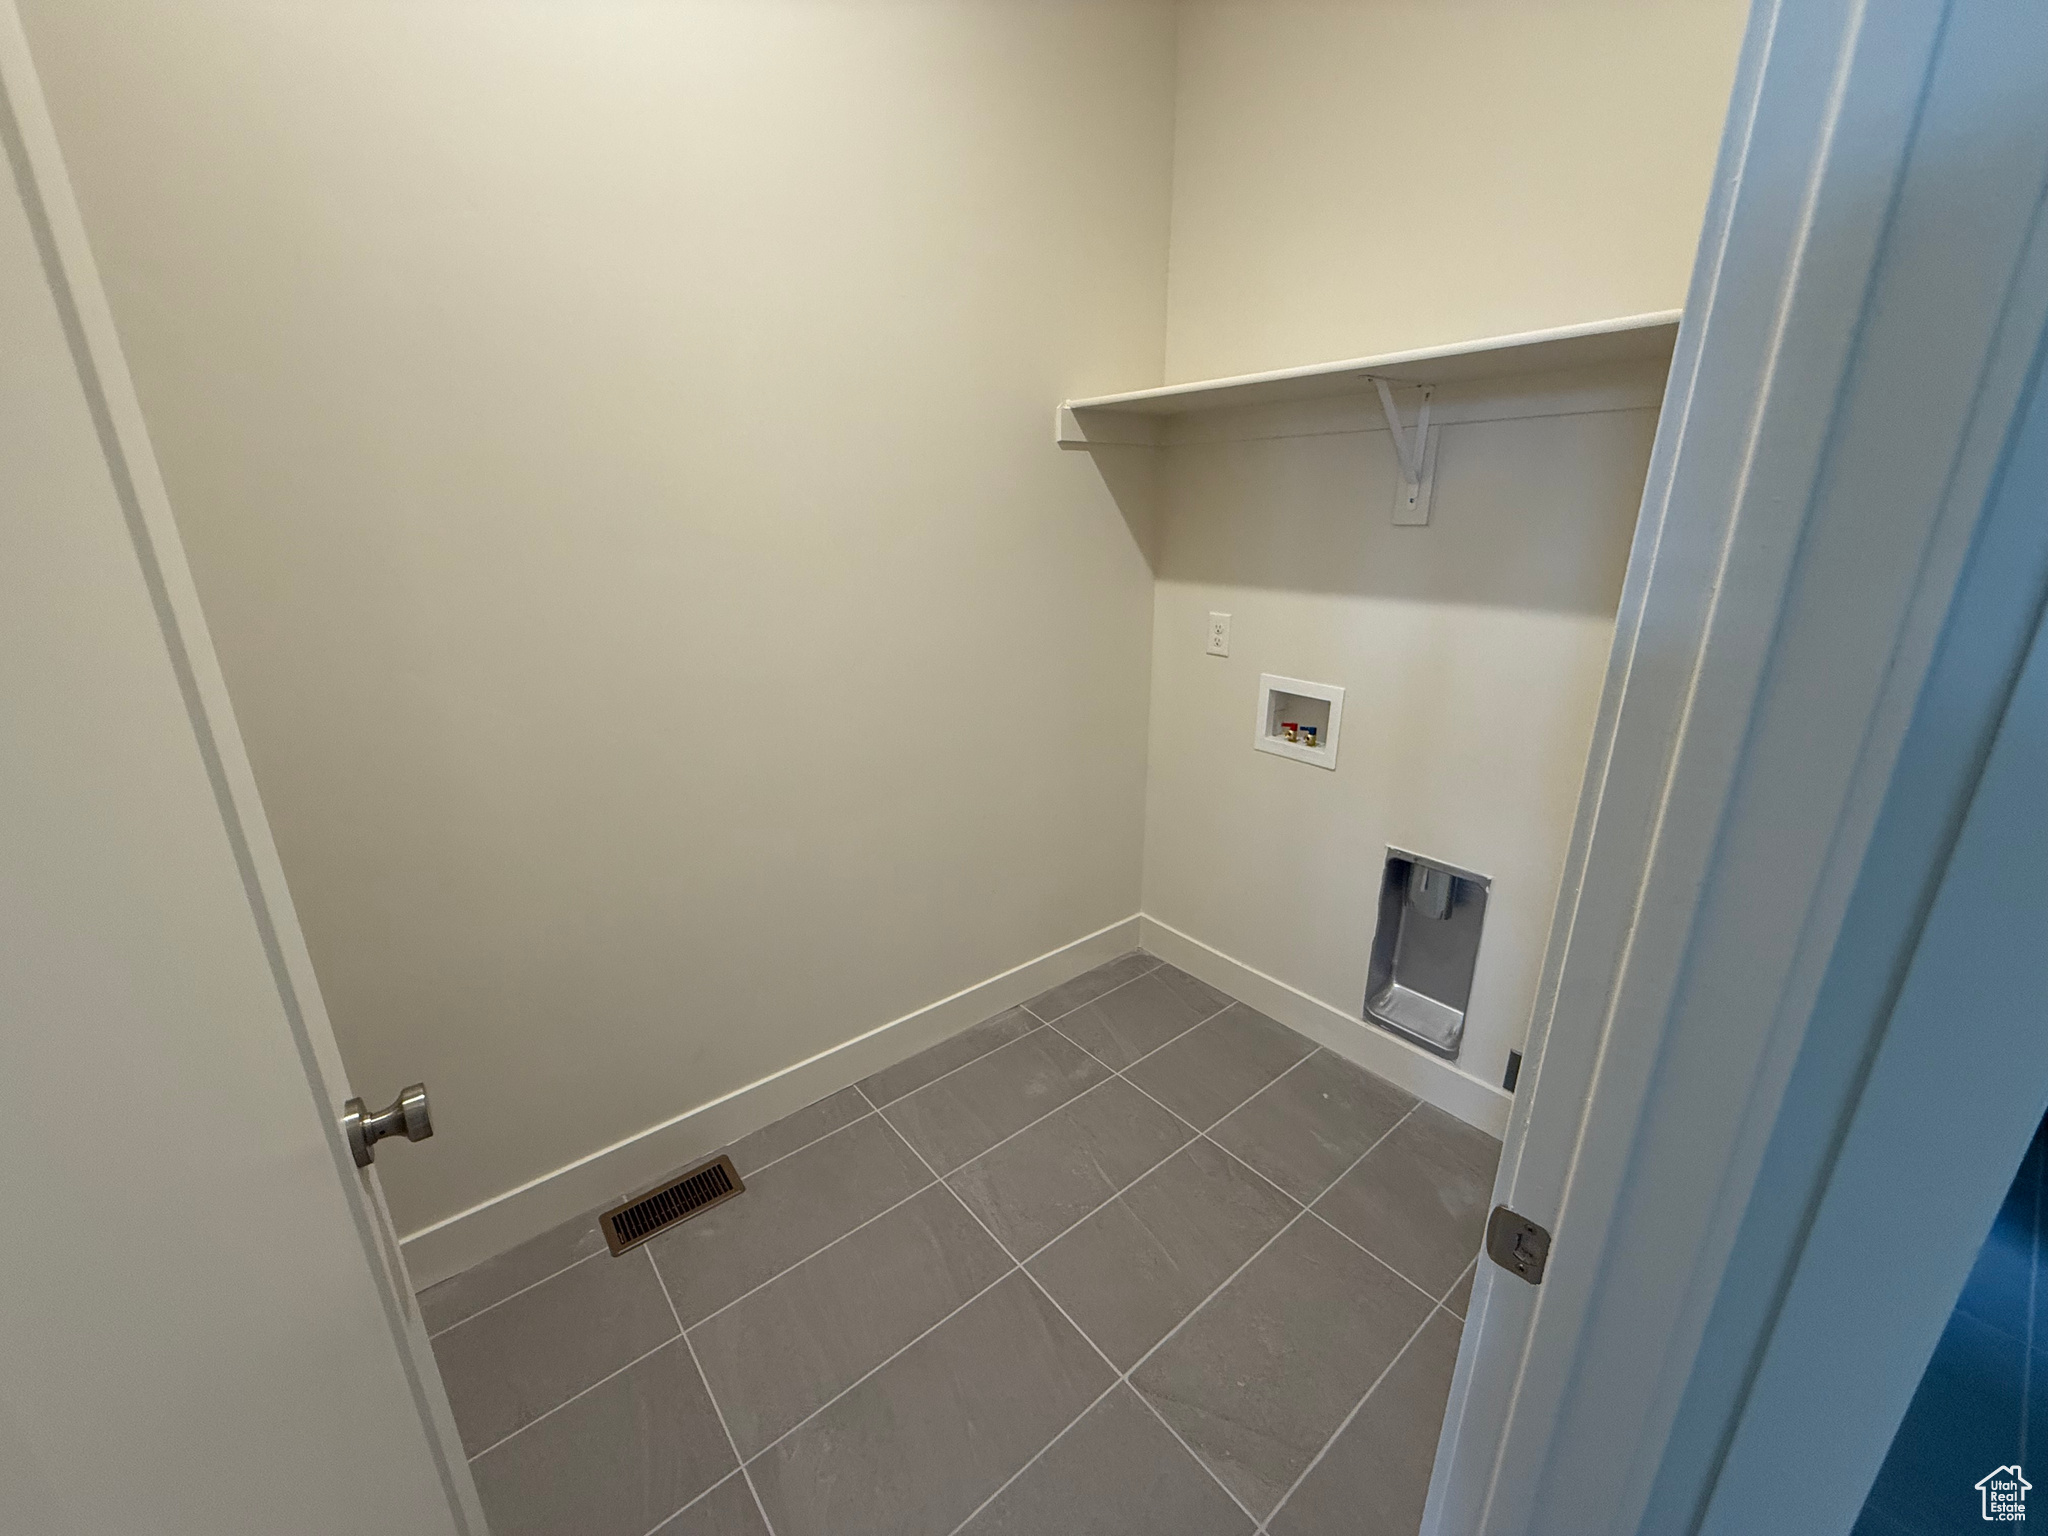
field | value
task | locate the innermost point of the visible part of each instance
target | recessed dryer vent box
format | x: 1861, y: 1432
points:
x: 1307, y: 705
x: 1424, y: 950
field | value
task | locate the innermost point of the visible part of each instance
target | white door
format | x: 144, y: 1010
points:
x: 1841, y: 558
x: 203, y: 1321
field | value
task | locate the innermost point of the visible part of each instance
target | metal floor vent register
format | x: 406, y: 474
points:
x: 626, y: 1226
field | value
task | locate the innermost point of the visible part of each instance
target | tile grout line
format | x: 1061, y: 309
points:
x: 1443, y: 1305
x: 1036, y: 1025
x: 1183, y: 1119
x: 1255, y: 1172
x: 1194, y: 1136
x: 1036, y: 1456
x: 1197, y: 1133
x: 1039, y: 1021
x: 799, y: 1263
x: 1063, y: 1103
x: 1098, y: 997
x: 1070, y: 1040
x: 573, y: 1263
x: 753, y: 1492
x: 876, y: 1109
x: 1113, y: 1074
x: 1308, y: 1205
x: 543, y: 1280
x: 1118, y: 1377
x: 1285, y: 1229
x: 792, y: 1152
x: 1432, y: 1298
x: 1125, y: 1376
x: 1017, y: 1264
x: 1123, y: 1380
x: 711, y: 1397
x: 873, y: 1109
x: 1202, y: 1134
x: 864, y: 1375
x: 1269, y: 1242
x: 1471, y: 1269
x: 681, y: 1510
x: 1207, y: 1018
x: 1356, y: 1408
x: 565, y: 1402
x: 1180, y: 1440
x: 1017, y: 1267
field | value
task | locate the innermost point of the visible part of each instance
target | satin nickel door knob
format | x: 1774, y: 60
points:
x: 404, y: 1116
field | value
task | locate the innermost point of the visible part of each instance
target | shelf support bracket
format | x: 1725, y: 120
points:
x: 1417, y: 456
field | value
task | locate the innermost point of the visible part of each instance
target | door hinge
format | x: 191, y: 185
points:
x: 1517, y: 1244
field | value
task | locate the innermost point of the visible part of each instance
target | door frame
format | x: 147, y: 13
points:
x: 1822, y: 1405
x: 1836, y: 574
x: 28, y: 137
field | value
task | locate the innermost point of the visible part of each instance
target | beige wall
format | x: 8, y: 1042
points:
x: 1362, y: 176
x: 1471, y: 652
x: 611, y: 443
x: 1354, y: 177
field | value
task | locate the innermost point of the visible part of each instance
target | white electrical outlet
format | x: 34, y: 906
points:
x: 1219, y: 634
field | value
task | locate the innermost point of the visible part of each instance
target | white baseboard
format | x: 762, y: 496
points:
x: 1428, y: 1077
x: 454, y: 1243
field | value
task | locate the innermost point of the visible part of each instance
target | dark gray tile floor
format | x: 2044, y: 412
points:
x: 1130, y: 1259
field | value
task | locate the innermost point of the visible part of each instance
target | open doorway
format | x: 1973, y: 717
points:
x: 1979, y: 1419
